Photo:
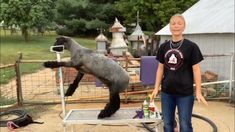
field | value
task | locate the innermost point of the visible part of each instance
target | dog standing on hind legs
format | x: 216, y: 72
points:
x: 86, y: 61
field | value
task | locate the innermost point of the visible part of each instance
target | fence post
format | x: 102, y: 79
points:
x: 126, y: 68
x: 18, y: 81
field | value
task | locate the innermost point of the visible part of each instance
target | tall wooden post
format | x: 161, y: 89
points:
x: 18, y: 81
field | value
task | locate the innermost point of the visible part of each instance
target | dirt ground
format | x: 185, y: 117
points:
x: 220, y: 112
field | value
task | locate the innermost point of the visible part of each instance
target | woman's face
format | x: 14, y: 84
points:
x: 177, y: 26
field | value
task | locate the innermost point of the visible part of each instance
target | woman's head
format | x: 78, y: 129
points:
x: 177, y: 25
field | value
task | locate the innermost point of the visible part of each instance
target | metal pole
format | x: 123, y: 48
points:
x: 61, y: 85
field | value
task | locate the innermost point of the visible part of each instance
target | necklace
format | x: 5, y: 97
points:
x: 178, y: 45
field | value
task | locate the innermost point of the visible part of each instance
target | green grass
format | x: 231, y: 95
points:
x: 5, y: 101
x: 36, y: 49
x: 6, y: 74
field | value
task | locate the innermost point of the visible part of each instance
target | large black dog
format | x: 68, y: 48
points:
x: 87, y: 61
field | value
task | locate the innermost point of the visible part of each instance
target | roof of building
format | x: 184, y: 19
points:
x: 207, y: 16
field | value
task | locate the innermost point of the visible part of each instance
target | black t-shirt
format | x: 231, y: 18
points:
x: 178, y: 61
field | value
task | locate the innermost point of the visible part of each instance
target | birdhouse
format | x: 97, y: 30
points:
x: 118, y: 44
x: 137, y: 38
x: 101, y: 43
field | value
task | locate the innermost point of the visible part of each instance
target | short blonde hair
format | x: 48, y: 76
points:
x: 179, y: 15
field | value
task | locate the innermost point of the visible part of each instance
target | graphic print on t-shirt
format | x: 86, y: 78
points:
x: 174, y: 59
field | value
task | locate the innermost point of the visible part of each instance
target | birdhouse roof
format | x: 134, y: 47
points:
x: 138, y: 31
x: 101, y: 37
x: 117, y: 27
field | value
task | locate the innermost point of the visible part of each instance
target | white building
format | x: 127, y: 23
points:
x: 137, y: 38
x: 210, y: 23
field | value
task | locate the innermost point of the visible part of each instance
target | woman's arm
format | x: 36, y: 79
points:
x: 159, y: 75
x: 197, y: 80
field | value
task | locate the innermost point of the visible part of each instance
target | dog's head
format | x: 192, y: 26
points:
x: 60, y: 44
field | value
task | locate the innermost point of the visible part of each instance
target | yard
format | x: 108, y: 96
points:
x: 222, y: 113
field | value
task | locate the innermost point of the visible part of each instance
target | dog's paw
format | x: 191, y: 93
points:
x: 51, y: 64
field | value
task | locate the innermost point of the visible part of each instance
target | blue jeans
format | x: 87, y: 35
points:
x: 185, y: 107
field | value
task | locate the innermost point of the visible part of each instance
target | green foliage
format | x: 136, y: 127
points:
x: 153, y: 14
x: 73, y: 27
x: 78, y: 17
x: 84, y: 17
x: 27, y: 14
x: 145, y: 8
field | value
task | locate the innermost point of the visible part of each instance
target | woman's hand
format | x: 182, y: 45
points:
x: 154, y: 94
x: 159, y: 75
x: 197, y: 80
x: 200, y: 98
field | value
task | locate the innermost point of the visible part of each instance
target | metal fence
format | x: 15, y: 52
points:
x: 42, y: 86
x: 219, y: 70
x: 8, y: 85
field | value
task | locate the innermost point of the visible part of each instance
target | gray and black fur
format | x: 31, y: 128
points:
x: 87, y: 61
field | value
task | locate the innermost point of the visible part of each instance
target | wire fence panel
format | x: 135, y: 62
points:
x: 219, y: 64
x: 8, y: 94
x: 43, y: 85
x: 39, y: 86
x: 217, y: 68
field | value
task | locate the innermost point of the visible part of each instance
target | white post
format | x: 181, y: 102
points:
x: 61, y: 86
x: 231, y: 77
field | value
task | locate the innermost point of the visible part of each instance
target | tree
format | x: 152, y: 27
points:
x: 27, y: 14
x: 84, y: 17
x: 154, y: 14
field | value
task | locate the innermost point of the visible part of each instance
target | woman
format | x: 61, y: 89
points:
x: 178, y: 69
